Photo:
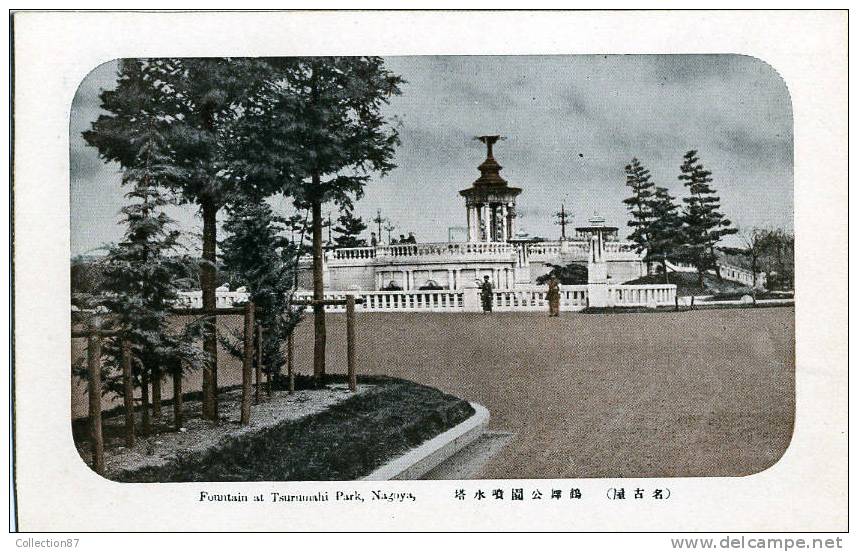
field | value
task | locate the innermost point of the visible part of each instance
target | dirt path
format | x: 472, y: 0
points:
x: 700, y: 393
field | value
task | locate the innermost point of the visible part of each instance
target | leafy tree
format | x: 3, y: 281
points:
x: 256, y: 254
x: 778, y: 258
x: 756, y: 244
x: 349, y: 229
x: 639, y: 203
x: 325, y: 136
x: 665, y: 228
x: 703, y: 225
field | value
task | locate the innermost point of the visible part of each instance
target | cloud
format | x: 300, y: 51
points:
x: 572, y: 123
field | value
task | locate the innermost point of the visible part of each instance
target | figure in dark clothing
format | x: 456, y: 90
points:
x: 553, y: 296
x: 373, y: 240
x: 486, y: 294
x: 411, y: 238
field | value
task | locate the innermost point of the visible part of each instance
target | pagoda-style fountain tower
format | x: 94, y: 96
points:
x: 490, y: 202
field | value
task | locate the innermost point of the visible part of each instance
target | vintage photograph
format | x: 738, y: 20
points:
x: 431, y: 267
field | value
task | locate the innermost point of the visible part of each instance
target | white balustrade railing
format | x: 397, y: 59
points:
x: 728, y: 272
x: 353, y: 253
x: 444, y: 300
x: 536, y: 298
x: 445, y: 248
x: 223, y: 299
x: 615, y: 250
x: 741, y: 275
x: 530, y: 298
x: 641, y: 296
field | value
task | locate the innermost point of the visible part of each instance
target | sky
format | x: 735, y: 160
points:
x: 571, y: 124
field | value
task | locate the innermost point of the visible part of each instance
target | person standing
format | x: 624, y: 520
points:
x: 486, y: 294
x: 553, y: 296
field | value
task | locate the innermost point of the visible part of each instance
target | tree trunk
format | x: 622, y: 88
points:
x: 144, y: 398
x: 128, y: 393
x: 96, y: 437
x: 259, y: 356
x: 156, y: 392
x: 208, y: 283
x: 177, y: 396
x: 700, y: 277
x: 318, y: 291
x: 247, y: 363
x: 754, y: 270
x: 290, y: 365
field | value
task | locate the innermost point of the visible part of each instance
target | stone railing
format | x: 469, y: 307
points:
x: 536, y: 298
x: 741, y: 275
x: 728, y: 272
x: 445, y: 248
x: 530, y: 298
x: 454, y: 250
x: 353, y: 253
x: 641, y: 296
x: 223, y: 299
x: 538, y: 251
x: 396, y: 301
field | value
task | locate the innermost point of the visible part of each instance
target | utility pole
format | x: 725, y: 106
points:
x: 378, y: 220
x: 562, y: 217
x: 390, y: 228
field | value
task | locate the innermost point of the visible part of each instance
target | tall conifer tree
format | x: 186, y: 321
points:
x: 665, y: 228
x: 703, y: 225
x: 348, y: 230
x: 327, y: 135
x: 256, y: 254
x: 639, y: 203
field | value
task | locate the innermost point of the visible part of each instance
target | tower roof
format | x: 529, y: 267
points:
x: 490, y: 168
x: 490, y: 186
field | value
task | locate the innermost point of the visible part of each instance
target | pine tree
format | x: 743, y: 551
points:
x: 664, y: 229
x: 639, y: 203
x: 703, y: 225
x: 326, y: 135
x: 139, y: 277
x: 207, y: 106
x: 349, y: 229
x: 256, y: 254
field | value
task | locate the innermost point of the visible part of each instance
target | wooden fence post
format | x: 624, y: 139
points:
x: 258, y: 361
x: 177, y: 395
x: 156, y: 392
x: 290, y: 356
x: 144, y: 398
x: 128, y: 393
x: 247, y: 367
x: 93, y: 351
x: 350, y: 341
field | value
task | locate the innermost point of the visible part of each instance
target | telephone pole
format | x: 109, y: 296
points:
x: 390, y: 228
x: 562, y: 219
x: 378, y: 220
